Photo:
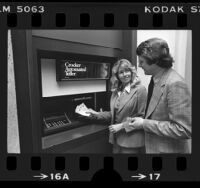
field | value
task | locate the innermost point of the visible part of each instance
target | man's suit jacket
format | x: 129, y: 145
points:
x: 133, y: 105
x: 167, y: 123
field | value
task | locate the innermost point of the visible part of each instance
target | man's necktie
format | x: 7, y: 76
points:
x: 150, y: 91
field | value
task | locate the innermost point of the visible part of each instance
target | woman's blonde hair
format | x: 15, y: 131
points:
x: 116, y: 84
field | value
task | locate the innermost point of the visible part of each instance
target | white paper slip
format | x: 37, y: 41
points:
x: 82, y: 109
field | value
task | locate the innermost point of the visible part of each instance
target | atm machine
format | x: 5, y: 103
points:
x: 64, y: 130
x: 52, y: 78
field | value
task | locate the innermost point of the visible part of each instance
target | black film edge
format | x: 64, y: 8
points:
x: 43, y: 138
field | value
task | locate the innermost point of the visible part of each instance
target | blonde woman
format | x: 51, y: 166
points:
x: 128, y: 100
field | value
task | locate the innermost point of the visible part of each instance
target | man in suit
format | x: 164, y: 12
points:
x: 167, y: 121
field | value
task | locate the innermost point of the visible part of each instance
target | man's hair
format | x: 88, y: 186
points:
x: 155, y: 51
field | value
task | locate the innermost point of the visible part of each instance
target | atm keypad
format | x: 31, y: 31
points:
x: 56, y: 124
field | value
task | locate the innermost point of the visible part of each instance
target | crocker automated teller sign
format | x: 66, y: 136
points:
x: 75, y: 70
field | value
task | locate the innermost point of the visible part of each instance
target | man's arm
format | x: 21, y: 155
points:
x: 179, y: 110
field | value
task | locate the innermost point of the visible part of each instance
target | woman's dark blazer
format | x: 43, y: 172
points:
x: 132, y: 106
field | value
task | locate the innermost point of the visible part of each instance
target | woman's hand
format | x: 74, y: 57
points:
x: 115, y: 128
x: 91, y: 111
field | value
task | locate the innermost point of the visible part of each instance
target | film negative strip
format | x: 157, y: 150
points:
x: 60, y: 57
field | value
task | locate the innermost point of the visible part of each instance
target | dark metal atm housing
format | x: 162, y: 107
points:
x: 58, y: 112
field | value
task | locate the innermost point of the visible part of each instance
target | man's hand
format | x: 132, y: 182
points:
x: 115, y: 128
x: 136, y: 122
